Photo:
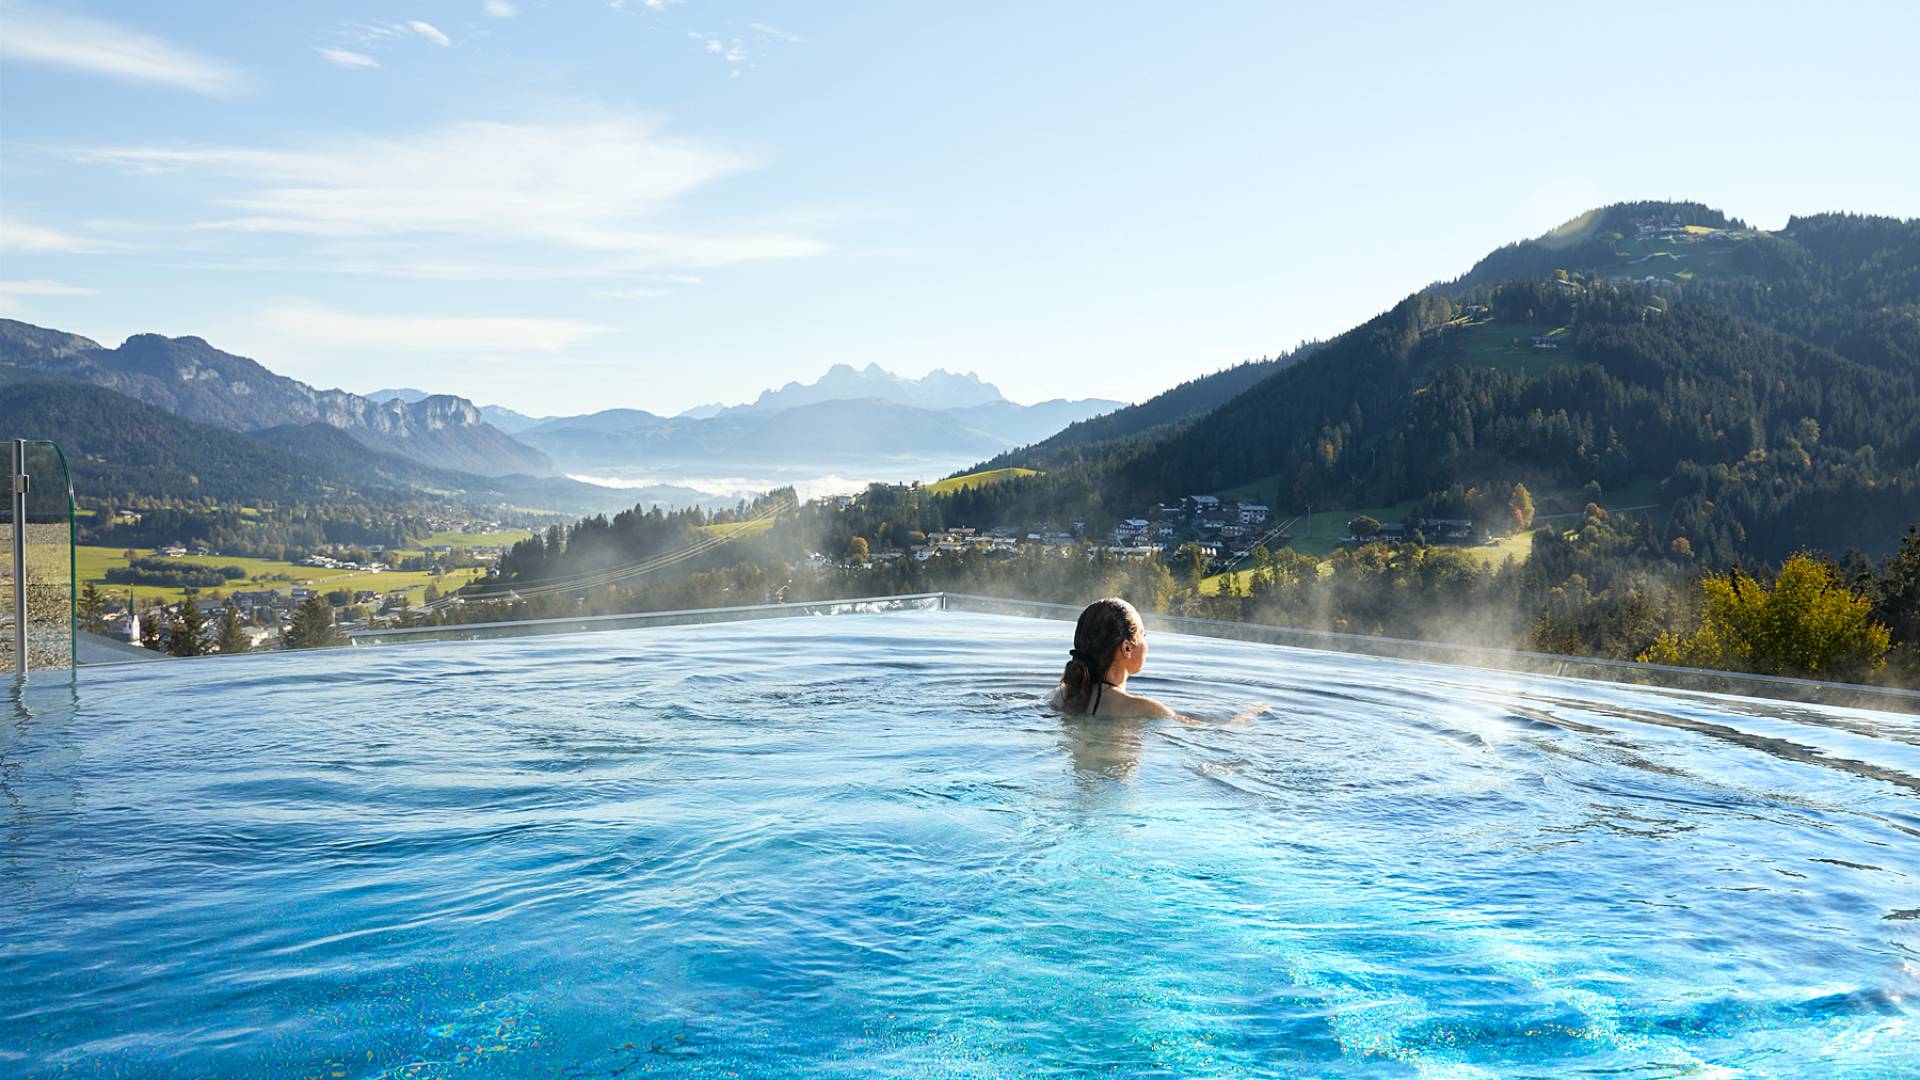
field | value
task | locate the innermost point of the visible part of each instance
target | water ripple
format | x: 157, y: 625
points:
x: 862, y: 845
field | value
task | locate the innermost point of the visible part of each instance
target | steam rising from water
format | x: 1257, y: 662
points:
x: 809, y: 480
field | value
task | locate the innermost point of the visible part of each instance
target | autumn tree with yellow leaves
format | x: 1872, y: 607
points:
x: 1807, y: 624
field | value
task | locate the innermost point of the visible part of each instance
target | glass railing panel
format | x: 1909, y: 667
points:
x: 37, y: 560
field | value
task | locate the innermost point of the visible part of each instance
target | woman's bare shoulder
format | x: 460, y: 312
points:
x: 1138, y: 706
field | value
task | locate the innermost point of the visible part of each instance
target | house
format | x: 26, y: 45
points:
x: 174, y: 551
x: 1253, y: 514
x: 1449, y: 528
x: 1547, y: 341
x: 248, y: 599
x: 1199, y: 505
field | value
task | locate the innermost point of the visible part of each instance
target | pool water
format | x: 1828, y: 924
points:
x: 861, y: 845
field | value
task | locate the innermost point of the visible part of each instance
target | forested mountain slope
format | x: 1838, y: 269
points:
x: 1763, y: 388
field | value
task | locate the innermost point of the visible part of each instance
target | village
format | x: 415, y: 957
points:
x: 1210, y: 533
x: 1217, y: 533
x: 360, y: 587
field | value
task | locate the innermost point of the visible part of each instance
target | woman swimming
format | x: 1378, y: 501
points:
x: 1109, y: 644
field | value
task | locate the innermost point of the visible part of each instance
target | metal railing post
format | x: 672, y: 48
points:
x: 20, y: 556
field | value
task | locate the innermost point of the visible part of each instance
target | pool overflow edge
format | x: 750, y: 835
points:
x: 1519, y: 661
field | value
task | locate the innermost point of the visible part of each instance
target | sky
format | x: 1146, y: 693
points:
x: 568, y: 205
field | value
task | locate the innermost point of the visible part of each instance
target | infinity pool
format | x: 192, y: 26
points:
x: 860, y: 845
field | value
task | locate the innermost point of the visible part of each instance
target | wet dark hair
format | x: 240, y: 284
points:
x: 1103, y: 627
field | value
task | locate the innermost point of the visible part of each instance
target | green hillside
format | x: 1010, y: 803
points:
x: 1774, y: 406
x: 979, y: 479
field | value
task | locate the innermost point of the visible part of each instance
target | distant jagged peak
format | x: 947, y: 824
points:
x: 407, y: 394
x: 937, y: 389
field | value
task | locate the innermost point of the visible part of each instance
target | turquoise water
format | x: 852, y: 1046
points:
x: 860, y: 845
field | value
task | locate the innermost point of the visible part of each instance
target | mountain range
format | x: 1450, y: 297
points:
x: 228, y: 414
x: 192, y: 379
x: 848, y: 415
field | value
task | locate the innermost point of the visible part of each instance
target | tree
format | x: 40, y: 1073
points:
x: 153, y: 629
x: 1193, y: 566
x: 857, y: 549
x: 1520, y: 508
x: 1363, y: 527
x: 233, y: 633
x: 183, y: 637
x: 312, y: 625
x: 92, y: 610
x: 1808, y: 624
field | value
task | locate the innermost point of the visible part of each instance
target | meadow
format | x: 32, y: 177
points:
x: 977, y: 480
x: 92, y: 563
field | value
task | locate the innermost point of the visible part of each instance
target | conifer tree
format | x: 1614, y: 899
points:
x: 183, y: 637
x: 92, y: 610
x: 233, y: 633
x: 312, y: 625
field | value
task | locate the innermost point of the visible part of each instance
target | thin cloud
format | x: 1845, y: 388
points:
x: 733, y: 52
x: 490, y: 185
x: 774, y: 32
x: 20, y: 237
x: 315, y: 325
x: 105, y: 48
x: 42, y: 287
x: 499, y: 9
x: 346, y: 58
x: 430, y: 32
x: 638, y: 292
x: 380, y: 35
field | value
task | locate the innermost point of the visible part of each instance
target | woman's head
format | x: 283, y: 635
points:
x: 1109, y: 632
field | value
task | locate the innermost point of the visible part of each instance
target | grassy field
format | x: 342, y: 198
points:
x: 1685, y: 261
x: 1555, y: 509
x: 1491, y: 345
x: 497, y: 538
x: 977, y: 480
x: 92, y: 563
x: 1493, y: 554
x: 1320, y: 536
x: 1517, y: 547
x: 736, y: 529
